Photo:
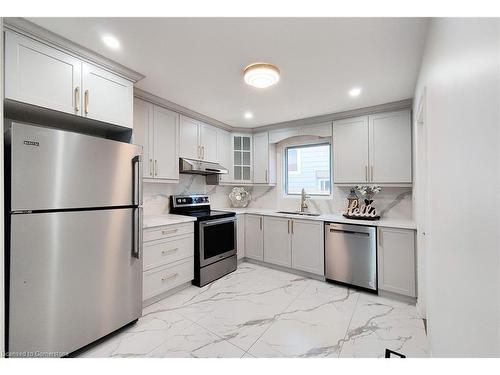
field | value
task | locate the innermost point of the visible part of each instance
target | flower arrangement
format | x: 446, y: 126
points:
x: 368, y: 191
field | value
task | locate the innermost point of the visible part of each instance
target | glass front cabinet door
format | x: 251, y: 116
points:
x: 242, y: 157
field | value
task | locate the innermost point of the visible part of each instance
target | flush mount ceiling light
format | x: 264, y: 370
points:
x: 261, y: 75
x: 248, y: 115
x: 111, y: 41
x: 355, y: 91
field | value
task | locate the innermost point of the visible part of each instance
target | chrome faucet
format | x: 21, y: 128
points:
x: 303, y: 203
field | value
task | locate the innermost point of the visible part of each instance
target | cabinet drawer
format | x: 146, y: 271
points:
x: 161, y: 279
x: 168, y: 231
x: 162, y: 252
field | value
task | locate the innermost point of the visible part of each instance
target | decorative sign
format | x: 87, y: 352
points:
x: 365, y: 211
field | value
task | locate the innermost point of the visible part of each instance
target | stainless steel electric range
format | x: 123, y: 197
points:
x: 214, y: 240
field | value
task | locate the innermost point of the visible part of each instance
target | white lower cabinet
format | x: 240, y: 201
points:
x: 161, y: 279
x: 168, y: 255
x: 277, y: 241
x: 297, y: 244
x: 240, y: 236
x: 254, y: 237
x: 308, y: 246
x: 396, y: 261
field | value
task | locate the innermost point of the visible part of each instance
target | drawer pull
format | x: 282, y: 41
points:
x: 169, y: 231
x: 171, y: 251
x: 173, y: 276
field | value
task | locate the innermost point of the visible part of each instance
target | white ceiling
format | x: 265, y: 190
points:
x: 198, y: 62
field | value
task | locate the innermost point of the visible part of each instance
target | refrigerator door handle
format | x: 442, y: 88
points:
x: 137, y: 233
x: 137, y: 161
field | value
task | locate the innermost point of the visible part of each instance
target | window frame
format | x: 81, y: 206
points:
x: 285, y: 166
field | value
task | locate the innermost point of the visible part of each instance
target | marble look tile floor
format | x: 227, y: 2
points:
x: 261, y: 312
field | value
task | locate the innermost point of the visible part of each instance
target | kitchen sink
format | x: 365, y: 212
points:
x: 297, y: 213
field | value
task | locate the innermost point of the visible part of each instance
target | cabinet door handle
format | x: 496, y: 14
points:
x: 151, y: 167
x: 260, y: 223
x: 371, y: 173
x: 171, y: 231
x: 171, y: 251
x: 366, y: 173
x: 86, y: 99
x: 266, y: 176
x: 292, y: 225
x: 199, y: 152
x: 288, y: 226
x: 165, y: 278
x: 77, y: 99
x: 203, y: 152
x: 156, y: 167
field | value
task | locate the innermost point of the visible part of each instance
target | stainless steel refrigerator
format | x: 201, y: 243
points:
x: 74, y: 239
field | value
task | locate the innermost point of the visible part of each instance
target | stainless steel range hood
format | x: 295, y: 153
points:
x: 191, y: 166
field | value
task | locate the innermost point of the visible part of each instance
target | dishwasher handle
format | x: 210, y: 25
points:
x: 362, y: 230
x: 349, y: 232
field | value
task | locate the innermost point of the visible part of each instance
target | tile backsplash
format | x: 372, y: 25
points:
x: 390, y: 202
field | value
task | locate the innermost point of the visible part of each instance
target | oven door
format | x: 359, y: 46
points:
x: 217, y: 240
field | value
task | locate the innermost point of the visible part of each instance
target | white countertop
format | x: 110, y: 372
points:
x: 337, y: 217
x: 151, y: 221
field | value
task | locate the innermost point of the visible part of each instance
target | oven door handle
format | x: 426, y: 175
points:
x: 209, y: 223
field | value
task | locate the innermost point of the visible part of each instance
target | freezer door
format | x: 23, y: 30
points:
x: 56, y: 169
x: 74, y: 277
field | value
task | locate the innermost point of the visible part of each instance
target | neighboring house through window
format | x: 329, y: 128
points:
x: 308, y: 167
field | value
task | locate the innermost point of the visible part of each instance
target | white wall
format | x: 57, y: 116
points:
x: 2, y: 304
x: 460, y: 72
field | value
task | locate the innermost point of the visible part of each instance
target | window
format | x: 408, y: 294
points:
x: 294, y: 161
x: 308, y: 167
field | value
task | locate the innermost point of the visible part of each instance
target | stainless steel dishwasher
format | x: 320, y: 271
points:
x: 351, y: 255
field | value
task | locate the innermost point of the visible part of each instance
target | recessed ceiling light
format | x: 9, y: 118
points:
x: 355, y: 91
x: 261, y: 75
x: 248, y: 115
x: 111, y: 41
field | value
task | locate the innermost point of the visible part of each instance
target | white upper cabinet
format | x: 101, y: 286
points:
x: 224, y: 153
x: 143, y: 134
x: 318, y: 130
x: 208, y: 142
x: 242, y: 157
x: 106, y: 96
x: 264, y: 159
x: 38, y: 74
x: 41, y: 75
x: 390, y: 147
x: 198, y: 140
x: 166, y: 149
x: 350, y: 150
x: 189, y: 146
x: 276, y: 136
x: 374, y: 149
x: 157, y: 130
